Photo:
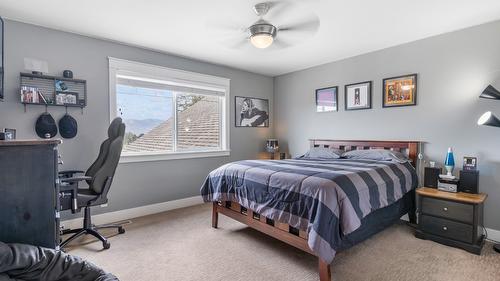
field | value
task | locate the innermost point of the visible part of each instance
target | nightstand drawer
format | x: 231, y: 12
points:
x: 448, y: 209
x: 446, y: 228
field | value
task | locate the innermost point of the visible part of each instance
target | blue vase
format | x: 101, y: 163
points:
x: 449, y: 162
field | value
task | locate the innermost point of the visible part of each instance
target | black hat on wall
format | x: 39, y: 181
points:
x: 68, y: 127
x: 45, y: 126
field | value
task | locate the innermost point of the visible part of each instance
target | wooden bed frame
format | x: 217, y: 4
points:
x: 296, y: 237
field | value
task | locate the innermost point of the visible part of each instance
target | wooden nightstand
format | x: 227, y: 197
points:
x: 267, y: 156
x: 453, y: 219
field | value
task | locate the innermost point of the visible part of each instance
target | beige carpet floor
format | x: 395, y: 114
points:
x: 181, y: 245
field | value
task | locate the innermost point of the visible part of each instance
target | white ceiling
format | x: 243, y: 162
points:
x: 189, y: 27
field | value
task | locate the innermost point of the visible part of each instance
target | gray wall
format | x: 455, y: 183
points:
x: 136, y: 184
x: 452, y: 70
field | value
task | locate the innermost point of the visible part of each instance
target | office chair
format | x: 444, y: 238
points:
x: 99, y: 177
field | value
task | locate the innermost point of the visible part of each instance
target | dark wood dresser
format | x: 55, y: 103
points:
x: 453, y: 219
x: 29, y: 192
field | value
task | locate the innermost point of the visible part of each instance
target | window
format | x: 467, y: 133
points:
x: 168, y: 113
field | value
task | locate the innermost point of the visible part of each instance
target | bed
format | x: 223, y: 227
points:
x: 316, y: 205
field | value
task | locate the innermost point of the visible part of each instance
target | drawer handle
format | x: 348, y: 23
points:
x: 445, y: 228
x: 445, y: 209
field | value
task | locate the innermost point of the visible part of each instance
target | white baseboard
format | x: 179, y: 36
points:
x: 493, y: 234
x: 135, y: 212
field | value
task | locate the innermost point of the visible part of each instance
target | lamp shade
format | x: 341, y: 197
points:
x: 490, y: 93
x: 488, y: 119
x: 272, y: 145
x: 261, y: 41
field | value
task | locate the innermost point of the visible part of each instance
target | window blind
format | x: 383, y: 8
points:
x: 166, y: 85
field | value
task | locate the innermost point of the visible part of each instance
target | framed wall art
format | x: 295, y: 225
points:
x: 327, y: 99
x: 358, y: 96
x: 251, y: 112
x: 400, y: 91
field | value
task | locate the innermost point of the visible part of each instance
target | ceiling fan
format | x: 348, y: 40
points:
x: 266, y: 30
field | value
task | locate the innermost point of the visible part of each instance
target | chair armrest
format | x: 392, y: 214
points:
x: 70, y: 173
x: 75, y: 179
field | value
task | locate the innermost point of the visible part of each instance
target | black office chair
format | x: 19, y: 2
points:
x: 99, y: 177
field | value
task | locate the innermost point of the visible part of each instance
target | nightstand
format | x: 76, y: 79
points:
x: 267, y: 156
x: 453, y: 219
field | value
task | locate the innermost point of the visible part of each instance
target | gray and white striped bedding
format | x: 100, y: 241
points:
x: 328, y: 198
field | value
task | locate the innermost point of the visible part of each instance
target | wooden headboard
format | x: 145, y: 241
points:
x: 410, y: 148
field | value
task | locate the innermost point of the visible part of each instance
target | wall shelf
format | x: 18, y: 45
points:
x: 52, y: 91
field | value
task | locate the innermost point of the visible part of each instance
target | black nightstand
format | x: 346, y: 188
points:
x: 453, y: 219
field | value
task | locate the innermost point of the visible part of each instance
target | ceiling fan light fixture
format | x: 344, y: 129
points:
x: 262, y: 40
x: 262, y: 34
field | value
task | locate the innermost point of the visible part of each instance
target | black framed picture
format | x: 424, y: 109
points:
x: 358, y: 96
x: 399, y: 91
x: 251, y: 112
x: 327, y: 99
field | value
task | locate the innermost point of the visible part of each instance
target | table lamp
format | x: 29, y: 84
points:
x: 488, y: 119
x: 272, y: 147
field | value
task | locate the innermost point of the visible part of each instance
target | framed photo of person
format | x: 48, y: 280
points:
x: 251, y: 112
x: 400, y: 91
x: 327, y: 99
x: 358, y: 96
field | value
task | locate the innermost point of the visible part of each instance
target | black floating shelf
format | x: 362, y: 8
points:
x: 52, y: 91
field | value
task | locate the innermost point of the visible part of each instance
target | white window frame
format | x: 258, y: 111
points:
x: 182, y: 77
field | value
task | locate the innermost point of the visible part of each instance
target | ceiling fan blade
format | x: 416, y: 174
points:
x: 278, y: 9
x: 281, y: 44
x: 238, y: 44
x: 226, y: 26
x: 308, y: 25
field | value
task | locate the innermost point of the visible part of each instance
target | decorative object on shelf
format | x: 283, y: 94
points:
x: 9, y: 134
x: 327, y: 99
x: 1, y: 60
x: 449, y: 164
x: 358, y: 96
x: 490, y: 93
x: 45, y: 126
x: 61, y: 86
x: 399, y: 91
x: 488, y: 119
x: 251, y: 112
x: 68, y: 127
x: 53, y: 91
x: 66, y: 98
x: 272, y: 147
x: 68, y: 74
x: 470, y: 163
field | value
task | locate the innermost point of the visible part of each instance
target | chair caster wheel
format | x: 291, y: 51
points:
x: 106, y: 245
x: 121, y: 230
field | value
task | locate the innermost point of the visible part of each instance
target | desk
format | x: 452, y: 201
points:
x: 29, y: 192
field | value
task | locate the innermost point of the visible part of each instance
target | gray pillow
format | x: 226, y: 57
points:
x: 376, y: 154
x: 323, y: 153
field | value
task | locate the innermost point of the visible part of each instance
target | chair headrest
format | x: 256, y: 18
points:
x: 114, y: 128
